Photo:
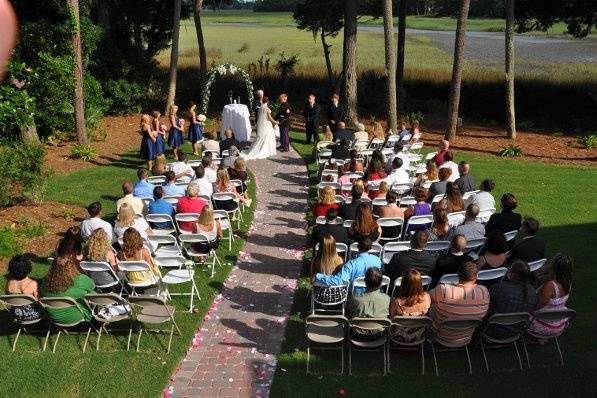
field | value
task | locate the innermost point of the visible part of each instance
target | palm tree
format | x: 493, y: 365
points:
x: 73, y: 6
x: 200, y: 41
x: 349, y: 64
x: 457, y: 70
x: 174, y: 56
x: 510, y: 106
x: 400, y: 66
x: 388, y: 25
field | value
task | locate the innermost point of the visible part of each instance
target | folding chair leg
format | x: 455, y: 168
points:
x: 139, y: 338
x: 170, y: 340
x: 350, y: 359
x: 389, y: 361
x: 128, y: 343
x: 518, y: 355
x: 308, y: 358
x: 434, y: 359
x: 484, y: 355
x: 230, y: 239
x: 386, y: 356
x: 559, y: 352
x: 56, y: 342
x: 470, y: 366
x: 342, y: 358
x: 14, y: 344
x: 47, y: 339
x: 526, y: 352
x: 423, y: 359
x: 87, y: 338
x: 99, y: 336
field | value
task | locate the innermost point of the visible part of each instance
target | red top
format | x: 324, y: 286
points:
x: 440, y: 158
x: 373, y: 177
x: 189, y: 205
x: 319, y: 209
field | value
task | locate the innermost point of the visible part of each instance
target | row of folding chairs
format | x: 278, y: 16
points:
x: 148, y: 310
x: 332, y: 332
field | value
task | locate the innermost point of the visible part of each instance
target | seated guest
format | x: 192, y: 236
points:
x: 211, y: 228
x: 453, y: 201
x: 134, y: 250
x: 64, y: 279
x: 327, y: 261
x: 353, y: 268
x: 190, y: 204
x: 223, y: 184
x: 160, y: 206
x: 471, y: 228
x: 530, y: 248
x: 127, y: 219
x: 342, y: 134
x: 375, y: 173
x: 99, y: 249
x: 440, y: 228
x: 330, y: 227
x: 364, y: 225
x: 430, y: 175
x: 414, y: 129
x: 340, y: 150
x: 412, y: 300
x: 484, y: 199
x: 159, y: 166
x: 391, y: 209
x: 462, y: 300
x: 238, y: 171
x: 398, y: 153
x: 205, y: 186
x: 383, y: 190
x: 553, y: 294
x: 449, y: 164
x: 513, y: 294
x: 465, y: 182
x: 416, y: 258
x: 170, y: 187
x: 348, y: 211
x: 398, y: 173
x: 439, y: 157
x: 142, y: 188
x: 496, y: 249
x: 439, y: 187
x: 229, y: 141
x: 181, y: 168
x: 373, y: 303
x: 403, y: 134
x: 94, y: 222
x: 327, y: 200
x: 353, y: 165
x: 421, y: 207
x: 210, y: 170
x: 327, y: 134
x: 451, y: 262
x: 135, y: 203
x: 19, y: 282
x: 233, y: 154
x: 209, y: 143
x: 507, y: 220
x: 361, y: 135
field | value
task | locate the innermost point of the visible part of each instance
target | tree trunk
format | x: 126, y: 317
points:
x: 78, y: 73
x: 388, y: 24
x: 328, y: 62
x: 400, y: 66
x: 457, y: 70
x: 349, y: 64
x: 200, y: 41
x: 29, y: 135
x: 174, y: 56
x: 510, y: 105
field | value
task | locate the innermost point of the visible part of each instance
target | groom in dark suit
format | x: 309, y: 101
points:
x: 283, y: 119
x: 311, y: 114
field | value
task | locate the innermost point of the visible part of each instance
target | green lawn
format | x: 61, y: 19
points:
x: 111, y: 372
x: 564, y: 201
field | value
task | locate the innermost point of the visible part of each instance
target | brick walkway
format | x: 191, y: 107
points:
x: 234, y: 354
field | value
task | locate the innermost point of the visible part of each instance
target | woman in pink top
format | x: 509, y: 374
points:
x: 413, y: 300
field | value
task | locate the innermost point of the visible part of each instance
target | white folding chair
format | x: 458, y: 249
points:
x: 391, y: 140
x: 467, y: 195
x: 464, y: 326
x: 416, y: 147
x: 485, y: 214
x: 220, y: 201
x: 17, y: 301
x: 410, y: 325
x: 402, y: 189
x: 516, y: 320
x: 151, y: 279
x: 492, y: 275
x: 238, y: 184
x: 153, y: 219
x: 553, y: 316
x: 359, y: 335
x: 376, y: 143
x: 328, y: 332
x: 360, y: 283
x: 337, y: 187
x: 448, y: 278
x: 438, y: 247
x: 406, y: 201
x: 419, y: 221
x: 225, y: 224
x: 437, y: 198
x: 173, y: 200
x: 101, y: 267
x: 430, y: 155
x: 510, y: 235
x: 177, y: 272
x: 339, y: 199
x: 425, y: 281
x: 188, y: 240
x: 186, y: 218
x: 376, y: 249
x: 391, y: 248
x: 392, y: 224
x: 475, y: 245
x: 164, y: 245
x: 537, y: 265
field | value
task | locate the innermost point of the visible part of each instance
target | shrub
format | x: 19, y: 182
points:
x: 588, y: 141
x: 9, y: 244
x: 126, y: 97
x: 22, y: 175
x: 17, y: 109
x: 83, y: 152
x: 511, y: 151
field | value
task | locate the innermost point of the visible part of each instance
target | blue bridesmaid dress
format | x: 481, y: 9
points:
x: 195, y: 132
x: 148, y: 148
x: 175, y: 136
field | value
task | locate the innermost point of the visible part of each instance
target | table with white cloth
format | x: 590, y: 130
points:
x: 236, y: 117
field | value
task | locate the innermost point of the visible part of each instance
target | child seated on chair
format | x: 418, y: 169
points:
x: 133, y: 250
x: 19, y: 282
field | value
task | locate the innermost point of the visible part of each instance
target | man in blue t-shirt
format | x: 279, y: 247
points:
x: 160, y: 206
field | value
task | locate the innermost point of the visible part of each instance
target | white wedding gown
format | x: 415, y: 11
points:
x: 265, y: 143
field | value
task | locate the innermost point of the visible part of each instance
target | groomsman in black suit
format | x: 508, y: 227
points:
x: 283, y: 119
x: 335, y: 113
x: 311, y: 114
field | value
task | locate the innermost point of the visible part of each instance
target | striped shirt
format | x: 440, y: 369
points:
x: 456, y: 301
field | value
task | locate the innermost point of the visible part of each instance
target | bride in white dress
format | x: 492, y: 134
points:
x: 265, y: 143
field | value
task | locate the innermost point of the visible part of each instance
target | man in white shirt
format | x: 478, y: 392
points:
x: 450, y: 164
x: 398, y: 175
x: 210, y: 172
x: 398, y: 148
x: 205, y: 187
x: 136, y: 203
x: 181, y: 168
x: 94, y: 222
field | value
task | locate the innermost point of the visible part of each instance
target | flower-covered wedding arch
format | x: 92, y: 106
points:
x: 222, y: 70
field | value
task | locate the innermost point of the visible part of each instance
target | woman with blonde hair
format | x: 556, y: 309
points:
x: 431, y: 174
x: 127, y: 219
x: 327, y: 200
x: 99, y: 249
x: 159, y: 166
x: 133, y: 250
x: 328, y: 262
x: 327, y: 134
x: 160, y: 130
x: 223, y: 184
x: 211, y: 228
x: 148, y: 141
x: 377, y: 132
x: 175, y: 138
x: 383, y: 190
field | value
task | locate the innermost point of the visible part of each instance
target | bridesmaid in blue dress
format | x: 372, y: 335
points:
x: 160, y: 143
x: 148, y: 140
x: 195, y: 128
x: 175, y: 138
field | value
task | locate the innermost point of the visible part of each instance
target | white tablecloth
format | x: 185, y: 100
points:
x: 236, y: 117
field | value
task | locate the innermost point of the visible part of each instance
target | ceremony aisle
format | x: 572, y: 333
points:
x: 234, y: 352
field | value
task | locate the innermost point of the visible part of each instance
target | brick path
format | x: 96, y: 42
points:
x: 234, y: 355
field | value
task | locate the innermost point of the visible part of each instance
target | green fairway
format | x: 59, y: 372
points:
x: 566, y: 205
x: 112, y: 371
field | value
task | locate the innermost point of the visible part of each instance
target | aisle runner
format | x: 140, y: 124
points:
x: 234, y: 353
